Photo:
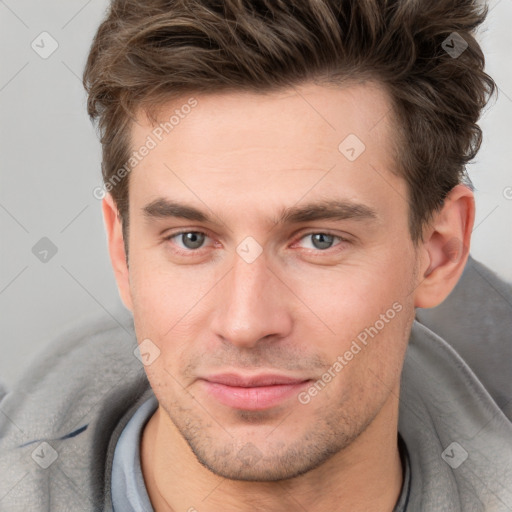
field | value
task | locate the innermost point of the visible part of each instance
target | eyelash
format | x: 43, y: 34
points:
x: 188, y: 252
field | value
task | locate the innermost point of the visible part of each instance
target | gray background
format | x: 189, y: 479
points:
x: 50, y: 164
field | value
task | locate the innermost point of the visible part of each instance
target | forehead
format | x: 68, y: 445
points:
x: 224, y: 122
x: 292, y: 142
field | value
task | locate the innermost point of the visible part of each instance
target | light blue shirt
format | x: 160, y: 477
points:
x: 129, y: 492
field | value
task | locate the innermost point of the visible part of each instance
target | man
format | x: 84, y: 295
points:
x: 284, y: 185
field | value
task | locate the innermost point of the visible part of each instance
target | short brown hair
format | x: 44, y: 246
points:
x: 148, y: 52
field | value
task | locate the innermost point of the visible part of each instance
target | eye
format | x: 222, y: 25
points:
x: 321, y: 241
x: 191, y: 240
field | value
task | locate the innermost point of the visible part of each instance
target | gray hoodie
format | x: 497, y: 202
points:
x: 60, y: 423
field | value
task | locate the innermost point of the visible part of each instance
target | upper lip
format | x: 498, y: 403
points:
x: 245, y: 381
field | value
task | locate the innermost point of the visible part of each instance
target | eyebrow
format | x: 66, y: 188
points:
x: 162, y: 208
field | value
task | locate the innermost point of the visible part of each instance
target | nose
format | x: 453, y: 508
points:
x: 253, y: 304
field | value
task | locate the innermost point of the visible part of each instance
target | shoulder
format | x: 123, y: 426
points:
x: 456, y: 397
x: 85, y: 358
x: 67, y: 406
x: 476, y: 321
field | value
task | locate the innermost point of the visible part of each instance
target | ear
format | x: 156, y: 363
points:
x: 445, y: 248
x: 113, y: 227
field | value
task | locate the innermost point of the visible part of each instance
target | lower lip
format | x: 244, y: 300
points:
x: 255, y: 398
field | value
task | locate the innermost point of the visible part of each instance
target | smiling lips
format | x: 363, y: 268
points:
x: 252, y: 393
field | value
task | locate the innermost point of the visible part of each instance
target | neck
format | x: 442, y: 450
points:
x: 367, y: 475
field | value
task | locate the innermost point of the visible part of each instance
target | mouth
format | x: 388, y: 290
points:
x: 252, y: 393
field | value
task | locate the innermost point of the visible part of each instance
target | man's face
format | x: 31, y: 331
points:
x: 249, y: 312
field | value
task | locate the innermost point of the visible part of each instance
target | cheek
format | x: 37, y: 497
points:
x: 367, y: 363
x: 164, y: 292
x: 351, y: 297
x: 170, y: 309
x: 367, y: 311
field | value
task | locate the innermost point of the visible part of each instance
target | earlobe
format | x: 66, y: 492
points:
x: 113, y: 227
x: 445, y: 248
